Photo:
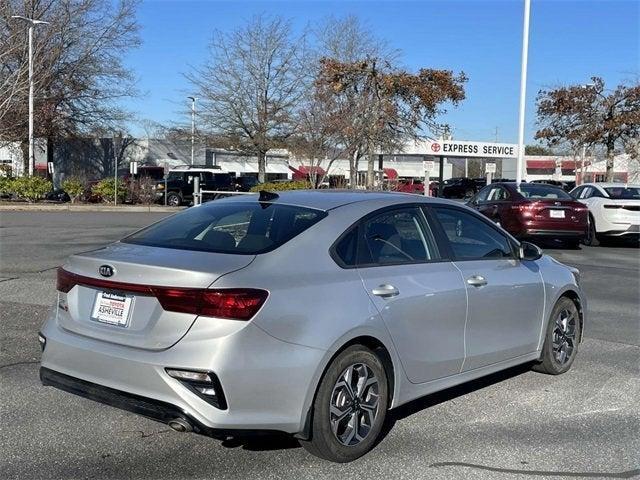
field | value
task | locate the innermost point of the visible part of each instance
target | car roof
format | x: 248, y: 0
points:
x: 611, y: 184
x: 330, y: 199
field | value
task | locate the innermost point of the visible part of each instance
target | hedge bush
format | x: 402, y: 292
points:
x: 282, y: 186
x: 31, y: 189
x: 106, y: 190
x: 74, y: 187
x: 6, y: 185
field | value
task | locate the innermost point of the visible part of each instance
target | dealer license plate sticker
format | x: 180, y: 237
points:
x: 112, y: 308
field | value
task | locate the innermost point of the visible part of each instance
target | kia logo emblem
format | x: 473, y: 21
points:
x: 106, y: 270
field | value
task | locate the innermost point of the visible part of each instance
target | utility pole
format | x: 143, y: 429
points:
x: 32, y: 24
x: 523, y: 90
x: 495, y: 135
x: 193, y: 127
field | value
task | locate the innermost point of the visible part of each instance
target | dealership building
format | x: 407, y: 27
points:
x: 458, y: 158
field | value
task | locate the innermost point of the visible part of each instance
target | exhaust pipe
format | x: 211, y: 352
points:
x: 180, y: 425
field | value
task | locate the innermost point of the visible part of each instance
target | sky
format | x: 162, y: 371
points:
x: 569, y: 42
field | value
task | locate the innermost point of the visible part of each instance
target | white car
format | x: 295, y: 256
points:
x: 614, y: 210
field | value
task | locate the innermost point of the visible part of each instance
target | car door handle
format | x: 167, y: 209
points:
x: 385, y: 291
x: 477, y: 281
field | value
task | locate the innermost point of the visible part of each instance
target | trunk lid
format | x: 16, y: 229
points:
x: 147, y: 325
x: 622, y: 210
x: 559, y: 210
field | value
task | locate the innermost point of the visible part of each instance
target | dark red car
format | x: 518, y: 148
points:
x: 533, y: 210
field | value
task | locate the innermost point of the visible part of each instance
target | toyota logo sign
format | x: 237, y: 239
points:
x: 106, y: 270
x: 435, y: 147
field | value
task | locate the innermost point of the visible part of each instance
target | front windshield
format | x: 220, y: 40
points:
x: 623, y: 193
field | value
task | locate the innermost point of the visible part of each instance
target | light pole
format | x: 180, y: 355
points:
x: 193, y: 127
x: 523, y: 91
x: 32, y: 23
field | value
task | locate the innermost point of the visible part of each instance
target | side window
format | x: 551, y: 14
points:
x: 502, y: 194
x: 482, y: 195
x: 173, y: 176
x: 395, y: 237
x: 346, y: 248
x: 470, y: 237
x: 577, y: 192
x: 497, y: 193
x: 587, y: 192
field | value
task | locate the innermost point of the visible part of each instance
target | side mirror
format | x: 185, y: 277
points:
x: 529, y: 251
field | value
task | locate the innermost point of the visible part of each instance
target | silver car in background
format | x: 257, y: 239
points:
x: 311, y: 313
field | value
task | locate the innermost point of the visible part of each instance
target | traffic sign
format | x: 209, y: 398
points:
x: 428, y: 165
x: 490, y: 168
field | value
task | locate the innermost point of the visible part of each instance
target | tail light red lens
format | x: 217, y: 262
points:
x: 527, y: 209
x: 65, y: 281
x: 241, y: 304
x: 229, y: 303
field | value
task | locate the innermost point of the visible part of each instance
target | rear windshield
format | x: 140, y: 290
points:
x: 624, y: 193
x: 241, y: 228
x: 537, y: 190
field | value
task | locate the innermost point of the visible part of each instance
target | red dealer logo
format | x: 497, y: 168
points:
x: 435, y: 147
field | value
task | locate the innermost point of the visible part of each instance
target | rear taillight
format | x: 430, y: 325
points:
x: 230, y: 303
x: 526, y: 209
x: 65, y: 281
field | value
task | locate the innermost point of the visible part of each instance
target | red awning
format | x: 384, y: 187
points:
x: 303, y: 171
x: 550, y: 164
x: 310, y: 169
x: 391, y: 173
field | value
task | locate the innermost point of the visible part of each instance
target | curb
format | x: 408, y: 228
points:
x: 88, y: 208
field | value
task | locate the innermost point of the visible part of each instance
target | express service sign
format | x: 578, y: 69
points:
x: 454, y: 148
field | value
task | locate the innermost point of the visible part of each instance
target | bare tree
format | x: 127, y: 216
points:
x: 346, y: 40
x: 391, y: 105
x: 251, y: 85
x: 80, y: 77
x: 590, y: 115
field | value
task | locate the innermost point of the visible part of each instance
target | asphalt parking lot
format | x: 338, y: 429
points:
x: 518, y: 424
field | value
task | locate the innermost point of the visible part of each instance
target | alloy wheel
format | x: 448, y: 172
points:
x: 564, y: 336
x: 354, y: 404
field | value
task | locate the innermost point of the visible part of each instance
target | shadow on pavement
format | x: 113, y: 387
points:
x: 259, y: 442
x: 543, y: 473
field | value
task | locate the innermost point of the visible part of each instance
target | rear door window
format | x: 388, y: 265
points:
x: 241, y: 228
x: 397, y: 237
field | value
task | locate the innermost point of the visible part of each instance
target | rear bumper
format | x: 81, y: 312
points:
x: 147, y: 407
x: 631, y: 231
x: 541, y: 232
x: 265, y: 381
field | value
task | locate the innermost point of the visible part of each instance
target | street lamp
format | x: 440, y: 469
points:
x: 32, y: 23
x: 523, y: 91
x: 193, y: 126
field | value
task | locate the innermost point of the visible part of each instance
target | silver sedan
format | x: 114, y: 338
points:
x: 311, y: 313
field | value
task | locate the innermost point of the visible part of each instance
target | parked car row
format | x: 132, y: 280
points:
x: 589, y: 213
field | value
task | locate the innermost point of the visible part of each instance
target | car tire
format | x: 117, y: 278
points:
x: 174, y: 199
x: 334, y: 438
x: 591, y: 238
x: 563, y: 335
